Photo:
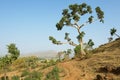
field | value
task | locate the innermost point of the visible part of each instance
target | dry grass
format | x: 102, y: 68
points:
x: 105, y: 60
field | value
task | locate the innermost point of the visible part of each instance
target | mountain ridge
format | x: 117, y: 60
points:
x: 42, y: 54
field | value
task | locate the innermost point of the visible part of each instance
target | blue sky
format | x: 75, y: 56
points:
x: 29, y: 23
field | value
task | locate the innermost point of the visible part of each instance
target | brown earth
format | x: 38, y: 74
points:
x: 104, y: 63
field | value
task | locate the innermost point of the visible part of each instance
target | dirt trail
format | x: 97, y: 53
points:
x: 74, y: 71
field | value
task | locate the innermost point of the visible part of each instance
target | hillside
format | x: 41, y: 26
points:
x: 104, y: 64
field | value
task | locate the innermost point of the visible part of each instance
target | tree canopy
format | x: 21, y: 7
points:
x: 113, y: 32
x: 13, y: 51
x: 71, y: 17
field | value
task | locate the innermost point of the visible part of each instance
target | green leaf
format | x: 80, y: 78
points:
x: 80, y: 36
x: 112, y: 31
x: 67, y: 37
x: 65, y: 12
x: 76, y: 17
x: 84, y: 5
x: 59, y: 26
x: 90, y: 19
x: 14, y: 52
x: 100, y: 14
x: 90, y: 43
x: 54, y: 41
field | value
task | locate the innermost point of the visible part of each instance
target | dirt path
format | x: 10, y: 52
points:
x: 74, y: 70
x: 70, y: 70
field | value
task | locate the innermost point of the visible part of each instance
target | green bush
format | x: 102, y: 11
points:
x: 2, y: 78
x: 27, y: 78
x: 50, y: 63
x: 34, y: 76
x: 25, y: 73
x: 53, y: 75
x: 15, y: 78
x: 77, y: 51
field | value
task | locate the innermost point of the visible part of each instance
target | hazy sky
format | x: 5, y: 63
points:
x: 29, y: 23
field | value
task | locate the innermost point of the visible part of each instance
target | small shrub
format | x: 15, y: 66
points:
x: 36, y: 75
x: 28, y: 78
x: 50, y: 63
x: 77, y: 51
x: 53, y: 75
x: 15, y: 78
x: 25, y: 73
x: 3, y: 78
x: 43, y: 67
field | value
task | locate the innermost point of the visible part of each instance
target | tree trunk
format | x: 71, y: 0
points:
x: 117, y: 35
x: 59, y: 56
x: 66, y: 57
x: 81, y: 45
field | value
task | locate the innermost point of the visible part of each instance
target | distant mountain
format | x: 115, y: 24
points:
x: 42, y: 54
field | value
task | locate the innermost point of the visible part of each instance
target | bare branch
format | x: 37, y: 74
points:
x: 78, y: 27
x: 72, y: 25
x: 72, y: 43
x: 64, y: 42
x: 87, y: 22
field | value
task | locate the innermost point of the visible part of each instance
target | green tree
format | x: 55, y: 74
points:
x: 13, y: 51
x: 67, y: 53
x: 6, y: 61
x: 113, y: 32
x: 59, y: 55
x: 89, y: 45
x: 71, y: 17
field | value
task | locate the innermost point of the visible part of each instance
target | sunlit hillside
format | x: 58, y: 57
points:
x: 104, y: 63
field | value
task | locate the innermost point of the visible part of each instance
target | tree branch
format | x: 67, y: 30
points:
x: 87, y: 22
x: 117, y: 35
x: 70, y: 43
x: 73, y: 25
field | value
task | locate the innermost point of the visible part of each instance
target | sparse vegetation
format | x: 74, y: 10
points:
x: 35, y: 75
x: 102, y: 63
x: 53, y: 75
x: 67, y: 53
x: 6, y: 61
x: 59, y: 55
x: 15, y: 78
x: 50, y: 63
x: 25, y: 73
